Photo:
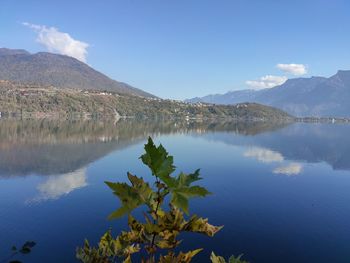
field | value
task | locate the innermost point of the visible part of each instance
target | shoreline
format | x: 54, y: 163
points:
x: 116, y: 117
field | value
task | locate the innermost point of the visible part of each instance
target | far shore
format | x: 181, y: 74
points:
x: 92, y: 116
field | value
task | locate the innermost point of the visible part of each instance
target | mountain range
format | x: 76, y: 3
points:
x: 58, y: 86
x: 315, y: 96
x: 48, y: 69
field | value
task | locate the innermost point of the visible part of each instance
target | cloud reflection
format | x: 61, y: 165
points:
x: 290, y: 169
x: 59, y: 185
x: 264, y: 155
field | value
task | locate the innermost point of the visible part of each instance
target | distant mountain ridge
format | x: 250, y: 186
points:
x: 56, y: 70
x: 315, y: 96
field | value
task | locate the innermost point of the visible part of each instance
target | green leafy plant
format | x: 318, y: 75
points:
x: 167, y: 215
x: 232, y: 259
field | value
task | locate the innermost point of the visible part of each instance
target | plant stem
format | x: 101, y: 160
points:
x: 156, y: 211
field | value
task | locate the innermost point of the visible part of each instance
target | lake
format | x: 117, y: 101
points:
x: 282, y: 191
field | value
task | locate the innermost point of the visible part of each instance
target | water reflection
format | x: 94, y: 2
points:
x: 290, y: 169
x: 249, y: 166
x: 263, y: 155
x: 57, y: 186
x: 49, y: 147
x: 298, y: 142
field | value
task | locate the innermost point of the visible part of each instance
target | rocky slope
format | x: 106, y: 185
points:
x: 60, y: 71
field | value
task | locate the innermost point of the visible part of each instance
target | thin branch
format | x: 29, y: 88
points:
x: 156, y: 211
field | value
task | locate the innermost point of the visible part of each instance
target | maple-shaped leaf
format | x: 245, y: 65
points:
x: 182, y: 190
x: 131, y: 197
x: 187, y: 179
x: 159, y: 161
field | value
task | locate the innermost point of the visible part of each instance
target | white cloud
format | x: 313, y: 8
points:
x: 59, y: 42
x: 267, y: 81
x: 290, y: 170
x: 295, y: 69
x: 264, y: 155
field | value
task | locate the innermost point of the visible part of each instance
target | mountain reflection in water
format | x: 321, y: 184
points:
x: 49, y: 147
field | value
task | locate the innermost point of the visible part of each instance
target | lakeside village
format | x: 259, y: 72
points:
x: 17, y: 91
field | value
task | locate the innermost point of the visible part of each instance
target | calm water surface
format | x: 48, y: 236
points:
x: 281, y: 191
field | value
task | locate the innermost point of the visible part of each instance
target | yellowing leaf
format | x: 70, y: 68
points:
x: 201, y: 225
x: 232, y: 259
x: 180, y: 258
x: 127, y: 260
x: 216, y: 259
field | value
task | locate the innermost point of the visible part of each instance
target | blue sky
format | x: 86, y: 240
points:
x: 185, y: 48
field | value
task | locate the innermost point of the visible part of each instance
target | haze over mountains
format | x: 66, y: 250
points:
x: 50, y: 69
x: 315, y: 96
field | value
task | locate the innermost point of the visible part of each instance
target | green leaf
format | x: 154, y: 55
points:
x: 180, y: 201
x: 184, y: 179
x: 133, y: 196
x: 119, y: 212
x: 128, y: 198
x: 159, y: 161
x: 192, y: 191
x: 182, y: 191
x: 142, y: 188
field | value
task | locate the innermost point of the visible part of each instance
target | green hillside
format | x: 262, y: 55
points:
x: 41, y: 101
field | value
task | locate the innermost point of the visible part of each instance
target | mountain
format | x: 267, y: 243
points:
x: 9, y: 52
x: 61, y: 71
x: 315, y: 96
x: 231, y: 97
